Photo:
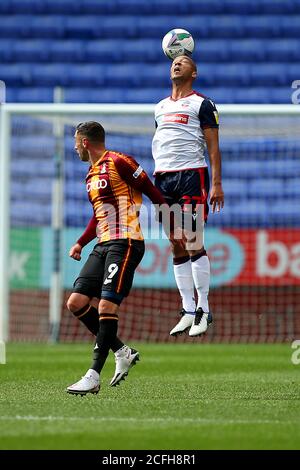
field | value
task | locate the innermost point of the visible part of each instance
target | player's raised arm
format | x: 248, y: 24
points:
x: 131, y: 172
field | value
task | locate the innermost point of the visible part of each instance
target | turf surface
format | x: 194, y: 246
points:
x: 179, y: 396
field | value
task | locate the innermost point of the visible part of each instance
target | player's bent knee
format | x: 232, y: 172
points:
x: 107, y: 306
x: 76, y: 302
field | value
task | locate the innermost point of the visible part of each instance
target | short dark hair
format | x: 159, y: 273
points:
x: 92, y: 130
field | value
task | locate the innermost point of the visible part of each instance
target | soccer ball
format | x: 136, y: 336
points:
x: 177, y: 42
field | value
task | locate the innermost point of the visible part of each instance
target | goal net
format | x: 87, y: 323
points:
x: 253, y: 244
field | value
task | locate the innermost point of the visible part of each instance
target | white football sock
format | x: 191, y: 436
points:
x: 201, y: 276
x: 185, y: 283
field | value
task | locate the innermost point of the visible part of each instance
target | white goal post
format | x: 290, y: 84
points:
x: 53, y: 111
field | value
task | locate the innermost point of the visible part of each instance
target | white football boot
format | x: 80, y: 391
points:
x: 89, y: 383
x: 201, y: 322
x: 184, y: 323
x: 125, y: 358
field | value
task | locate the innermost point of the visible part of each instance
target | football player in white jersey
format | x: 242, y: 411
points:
x: 186, y: 125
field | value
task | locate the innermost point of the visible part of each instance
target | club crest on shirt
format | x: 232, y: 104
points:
x: 103, y: 169
x: 185, y: 104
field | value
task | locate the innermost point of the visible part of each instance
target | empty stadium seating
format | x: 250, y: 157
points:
x: 246, y: 51
x: 110, y: 51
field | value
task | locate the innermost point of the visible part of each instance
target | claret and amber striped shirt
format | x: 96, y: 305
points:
x: 115, y: 184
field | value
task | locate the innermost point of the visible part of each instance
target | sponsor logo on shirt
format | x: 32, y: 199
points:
x: 137, y: 172
x: 99, y: 184
x: 179, y: 118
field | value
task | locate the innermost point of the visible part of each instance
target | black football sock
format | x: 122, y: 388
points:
x: 116, y: 344
x: 108, y: 327
x: 89, y: 316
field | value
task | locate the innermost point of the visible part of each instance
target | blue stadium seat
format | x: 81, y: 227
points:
x: 6, y: 50
x: 29, y: 213
x: 32, y: 95
x: 36, y: 26
x: 282, y: 50
x: 261, y: 6
x: 262, y: 26
x: 123, y: 75
x: 91, y: 95
x: 17, y: 7
x: 74, y: 168
x: 286, y: 213
x: 246, y: 213
x: 289, y: 26
x: 282, y: 168
x: 266, y: 188
x: 230, y: 74
x: 252, y: 95
x: 35, y: 189
x: 32, y: 50
x: 139, y: 50
x: 291, y: 188
x: 52, y: 26
x: 154, y: 74
x: 30, y: 127
x: 50, y: 75
x: 27, y: 167
x: 104, y: 50
x: 87, y: 75
x: 158, y: 26
x: 235, y: 188
x: 15, y: 75
x: 15, y: 26
x: 279, y: 168
x: 281, y: 95
x: 90, y: 27
x: 223, y: 26
x: 219, y: 94
x: 75, y: 189
x: 33, y: 146
x: 242, y: 168
x: 146, y: 95
x: 269, y: 75
x: 77, y: 213
x: 246, y: 50
x: 212, y: 50
x: 71, y: 50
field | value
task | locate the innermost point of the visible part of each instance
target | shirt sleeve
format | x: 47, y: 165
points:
x: 131, y: 172
x: 208, y: 115
x: 90, y: 232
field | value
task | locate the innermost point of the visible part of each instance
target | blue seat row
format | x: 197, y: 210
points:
x: 262, y: 188
x: 107, y: 26
x: 146, y: 50
x: 228, y: 94
x: 40, y: 189
x: 281, y: 167
x: 136, y: 7
x: 255, y: 213
x: 133, y: 75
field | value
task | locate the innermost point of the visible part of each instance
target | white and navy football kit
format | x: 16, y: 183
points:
x: 178, y: 148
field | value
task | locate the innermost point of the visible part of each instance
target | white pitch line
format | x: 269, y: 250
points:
x: 145, y: 420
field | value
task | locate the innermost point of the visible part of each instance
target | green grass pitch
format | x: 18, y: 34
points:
x: 179, y: 396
